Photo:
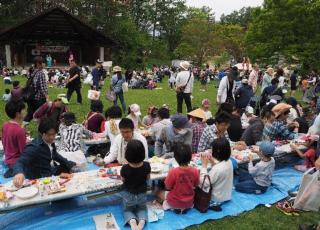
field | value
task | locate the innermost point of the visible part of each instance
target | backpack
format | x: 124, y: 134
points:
x: 29, y: 91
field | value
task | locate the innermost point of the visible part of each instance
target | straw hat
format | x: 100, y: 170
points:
x: 198, y: 113
x: 116, y: 69
x: 280, y: 108
x: 185, y: 65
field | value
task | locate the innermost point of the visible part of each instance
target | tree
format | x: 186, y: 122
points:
x: 290, y: 28
x: 243, y: 17
x: 199, y: 41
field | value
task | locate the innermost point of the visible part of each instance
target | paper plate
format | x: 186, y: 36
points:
x: 156, y: 167
x: 26, y: 193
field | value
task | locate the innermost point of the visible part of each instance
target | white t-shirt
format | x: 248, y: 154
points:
x: 221, y: 176
x: 117, y: 150
x: 208, y: 114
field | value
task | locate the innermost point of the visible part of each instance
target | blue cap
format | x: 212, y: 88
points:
x: 180, y: 121
x: 267, y: 148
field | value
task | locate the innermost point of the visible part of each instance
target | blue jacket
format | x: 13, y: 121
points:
x: 243, y: 96
x: 35, y: 160
x: 116, y: 84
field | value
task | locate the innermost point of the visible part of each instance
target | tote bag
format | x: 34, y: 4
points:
x: 202, y: 198
x: 125, y: 87
x: 308, y: 197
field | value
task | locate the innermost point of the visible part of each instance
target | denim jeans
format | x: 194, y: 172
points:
x: 134, y: 206
x: 121, y: 98
x: 247, y: 184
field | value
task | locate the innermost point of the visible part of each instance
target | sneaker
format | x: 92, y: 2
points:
x: 216, y: 208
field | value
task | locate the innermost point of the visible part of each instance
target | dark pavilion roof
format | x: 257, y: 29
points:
x: 55, y: 24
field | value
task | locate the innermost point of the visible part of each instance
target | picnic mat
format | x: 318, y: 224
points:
x: 78, y: 213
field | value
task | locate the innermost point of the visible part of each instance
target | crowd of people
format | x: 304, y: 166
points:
x: 239, y: 122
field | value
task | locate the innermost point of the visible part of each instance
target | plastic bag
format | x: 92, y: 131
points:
x: 88, y: 79
x: 125, y: 87
x: 93, y: 95
x: 308, y: 197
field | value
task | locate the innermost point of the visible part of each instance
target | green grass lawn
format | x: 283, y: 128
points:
x: 259, y: 218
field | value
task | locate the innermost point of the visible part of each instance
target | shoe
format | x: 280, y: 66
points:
x: 292, y: 194
x: 216, y: 208
x: 8, y: 173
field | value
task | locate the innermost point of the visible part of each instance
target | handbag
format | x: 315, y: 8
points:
x: 93, y: 95
x: 125, y: 87
x: 202, y: 199
x: 308, y: 198
x: 110, y: 95
x: 181, y: 89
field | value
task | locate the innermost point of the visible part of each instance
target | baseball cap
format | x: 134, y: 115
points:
x: 267, y: 148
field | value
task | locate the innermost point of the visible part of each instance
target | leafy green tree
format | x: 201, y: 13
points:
x: 289, y: 27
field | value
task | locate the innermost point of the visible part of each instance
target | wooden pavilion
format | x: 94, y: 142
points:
x: 58, y: 33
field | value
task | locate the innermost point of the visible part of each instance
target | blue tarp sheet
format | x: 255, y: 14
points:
x: 78, y: 213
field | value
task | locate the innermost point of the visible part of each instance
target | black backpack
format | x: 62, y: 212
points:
x: 29, y: 91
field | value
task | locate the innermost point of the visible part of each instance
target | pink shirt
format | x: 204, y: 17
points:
x: 181, y: 182
x: 13, y: 140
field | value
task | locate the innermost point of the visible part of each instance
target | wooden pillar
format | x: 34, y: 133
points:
x: 101, y: 54
x: 8, y: 55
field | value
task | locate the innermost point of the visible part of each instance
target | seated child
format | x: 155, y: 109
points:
x: 221, y: 173
x: 135, y: 175
x: 7, y: 95
x: 16, y: 92
x: 309, y: 156
x: 260, y: 176
x: 151, y: 118
x: 134, y: 115
x: 206, y: 108
x: 13, y: 135
x: 70, y: 146
x: 180, y: 182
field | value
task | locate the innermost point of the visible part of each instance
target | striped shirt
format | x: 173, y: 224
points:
x: 71, y: 137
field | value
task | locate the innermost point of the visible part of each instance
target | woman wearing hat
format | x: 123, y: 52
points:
x: 266, y: 80
x: 52, y: 109
x: 197, y: 126
x: 184, y: 86
x: 279, y: 129
x: 116, y: 86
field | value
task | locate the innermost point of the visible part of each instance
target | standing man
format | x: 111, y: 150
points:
x: 293, y: 82
x: 38, y: 89
x: 74, y: 82
x: 226, y: 89
x: 184, y: 86
x: 97, y: 75
x: 253, y: 77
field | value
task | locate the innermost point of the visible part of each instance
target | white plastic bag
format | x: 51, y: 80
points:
x: 93, y: 95
x: 77, y: 157
x: 308, y: 197
x: 88, y: 79
x: 125, y: 87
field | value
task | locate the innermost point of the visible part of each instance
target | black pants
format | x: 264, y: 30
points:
x: 187, y: 99
x: 33, y: 105
x: 78, y: 91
